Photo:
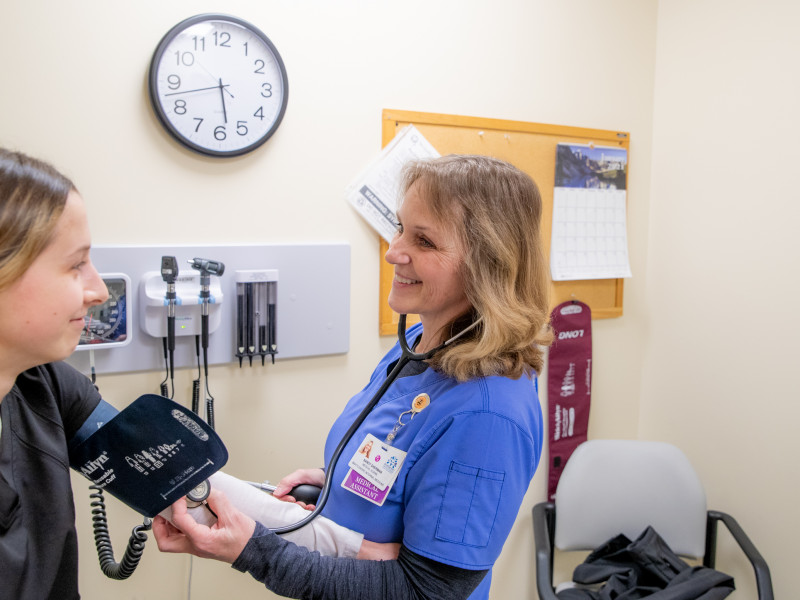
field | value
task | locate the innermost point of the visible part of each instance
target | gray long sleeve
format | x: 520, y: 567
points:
x: 321, y: 534
x: 295, y: 572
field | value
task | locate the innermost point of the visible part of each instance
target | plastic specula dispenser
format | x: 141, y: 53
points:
x: 256, y: 324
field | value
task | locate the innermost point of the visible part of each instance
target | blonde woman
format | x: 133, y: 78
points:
x: 461, y: 433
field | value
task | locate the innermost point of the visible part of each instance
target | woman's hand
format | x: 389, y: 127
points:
x: 292, y: 480
x: 224, y: 540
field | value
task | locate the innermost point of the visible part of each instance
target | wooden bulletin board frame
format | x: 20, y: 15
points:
x: 530, y: 147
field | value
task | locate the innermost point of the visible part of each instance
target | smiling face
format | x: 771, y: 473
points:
x: 42, y: 311
x: 427, y: 258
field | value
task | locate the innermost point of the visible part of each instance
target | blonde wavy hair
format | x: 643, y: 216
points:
x: 32, y: 197
x: 495, y: 210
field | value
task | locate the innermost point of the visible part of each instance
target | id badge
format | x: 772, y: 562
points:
x: 373, y: 470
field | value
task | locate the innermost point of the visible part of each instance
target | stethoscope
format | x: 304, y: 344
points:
x: 406, y: 356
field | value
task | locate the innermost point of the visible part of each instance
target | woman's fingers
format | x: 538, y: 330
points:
x: 224, y: 540
x: 314, y: 477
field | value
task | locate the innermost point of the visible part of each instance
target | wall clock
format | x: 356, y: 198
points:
x: 218, y: 85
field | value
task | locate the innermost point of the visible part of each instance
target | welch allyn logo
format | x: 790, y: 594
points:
x: 190, y: 424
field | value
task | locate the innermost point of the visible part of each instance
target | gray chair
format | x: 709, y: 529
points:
x: 610, y: 487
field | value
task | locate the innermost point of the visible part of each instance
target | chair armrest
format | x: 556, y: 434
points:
x: 763, y: 578
x: 544, y: 514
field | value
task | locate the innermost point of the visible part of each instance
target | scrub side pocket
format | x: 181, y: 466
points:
x: 469, y: 506
x: 9, y: 505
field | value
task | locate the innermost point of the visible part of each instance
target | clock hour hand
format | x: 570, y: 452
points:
x: 202, y: 66
x: 213, y: 87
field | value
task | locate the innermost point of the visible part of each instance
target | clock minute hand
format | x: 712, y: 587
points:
x: 222, y: 95
x: 213, y: 87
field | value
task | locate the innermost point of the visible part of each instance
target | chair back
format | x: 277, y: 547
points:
x: 610, y: 487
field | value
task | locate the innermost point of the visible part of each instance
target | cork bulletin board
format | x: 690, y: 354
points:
x: 530, y: 147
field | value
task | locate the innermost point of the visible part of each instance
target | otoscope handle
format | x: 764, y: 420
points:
x: 204, y: 330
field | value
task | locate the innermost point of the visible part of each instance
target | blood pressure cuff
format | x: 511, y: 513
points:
x: 148, y: 455
x: 569, y: 385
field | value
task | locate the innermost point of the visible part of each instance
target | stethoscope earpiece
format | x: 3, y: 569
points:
x: 408, y: 354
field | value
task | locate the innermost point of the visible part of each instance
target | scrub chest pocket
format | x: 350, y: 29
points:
x: 469, y: 507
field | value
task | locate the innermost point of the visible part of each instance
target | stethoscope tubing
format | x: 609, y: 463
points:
x: 406, y: 356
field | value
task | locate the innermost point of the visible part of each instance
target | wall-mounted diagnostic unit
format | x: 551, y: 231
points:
x: 231, y: 300
x: 153, y: 309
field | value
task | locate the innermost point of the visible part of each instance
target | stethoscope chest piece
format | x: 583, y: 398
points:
x: 198, y: 495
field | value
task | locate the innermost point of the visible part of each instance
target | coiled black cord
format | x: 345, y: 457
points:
x: 196, y: 382
x: 102, y: 540
x: 210, y: 412
x: 163, y: 384
x: 196, y: 396
x: 209, y: 397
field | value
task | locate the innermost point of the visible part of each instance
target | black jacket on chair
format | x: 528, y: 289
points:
x: 646, y: 568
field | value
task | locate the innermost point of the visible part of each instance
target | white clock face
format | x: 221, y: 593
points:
x: 218, y: 85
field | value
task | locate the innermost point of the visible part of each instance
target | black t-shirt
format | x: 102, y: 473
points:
x: 38, y: 541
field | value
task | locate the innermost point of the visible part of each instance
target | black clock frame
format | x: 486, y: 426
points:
x: 153, y: 84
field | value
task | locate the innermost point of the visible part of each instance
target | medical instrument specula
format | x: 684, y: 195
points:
x: 256, y: 293
x: 406, y: 356
x: 271, y: 335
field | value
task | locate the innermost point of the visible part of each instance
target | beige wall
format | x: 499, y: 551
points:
x: 74, y: 92
x: 721, y: 355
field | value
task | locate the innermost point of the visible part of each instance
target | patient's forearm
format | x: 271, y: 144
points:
x: 322, y: 535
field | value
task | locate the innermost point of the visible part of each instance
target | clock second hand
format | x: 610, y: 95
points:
x: 202, y: 66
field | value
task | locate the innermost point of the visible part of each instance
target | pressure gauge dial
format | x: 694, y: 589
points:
x: 106, y: 325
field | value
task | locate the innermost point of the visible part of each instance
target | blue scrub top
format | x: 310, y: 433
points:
x: 471, y: 456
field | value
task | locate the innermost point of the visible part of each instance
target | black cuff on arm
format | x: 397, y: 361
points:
x: 295, y: 572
